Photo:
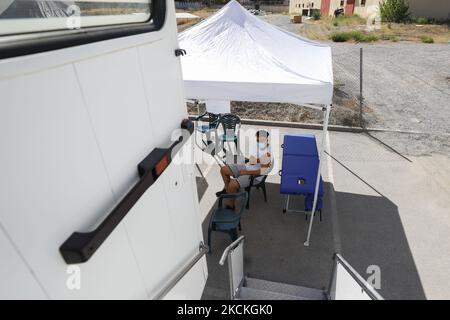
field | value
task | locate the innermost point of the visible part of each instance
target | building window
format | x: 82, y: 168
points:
x: 26, y: 16
x: 342, y: 3
x: 363, y: 3
x: 312, y: 5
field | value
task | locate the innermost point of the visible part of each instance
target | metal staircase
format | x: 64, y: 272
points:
x: 345, y: 282
x: 257, y: 289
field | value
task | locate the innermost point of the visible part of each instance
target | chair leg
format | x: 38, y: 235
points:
x: 233, y: 234
x: 247, y: 206
x: 263, y: 187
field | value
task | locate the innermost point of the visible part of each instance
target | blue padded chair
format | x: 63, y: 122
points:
x: 227, y: 220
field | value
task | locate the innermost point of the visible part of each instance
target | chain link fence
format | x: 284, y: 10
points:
x: 348, y: 99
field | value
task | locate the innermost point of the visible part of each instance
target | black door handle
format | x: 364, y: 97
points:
x: 80, y: 246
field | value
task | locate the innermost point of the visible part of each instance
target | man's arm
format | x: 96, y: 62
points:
x: 251, y: 172
x: 265, y: 162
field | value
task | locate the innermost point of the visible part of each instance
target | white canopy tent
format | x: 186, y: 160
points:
x: 236, y: 56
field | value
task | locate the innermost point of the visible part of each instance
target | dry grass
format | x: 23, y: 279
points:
x: 440, y: 33
x: 345, y: 111
x: 203, y: 14
x: 324, y: 28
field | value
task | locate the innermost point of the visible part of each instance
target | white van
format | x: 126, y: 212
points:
x: 88, y: 89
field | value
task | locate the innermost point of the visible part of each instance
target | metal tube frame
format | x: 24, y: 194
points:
x: 287, y: 210
x: 327, y: 110
x: 338, y: 259
x: 203, y: 249
x: 227, y: 256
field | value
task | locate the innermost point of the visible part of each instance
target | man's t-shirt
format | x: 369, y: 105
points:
x: 261, y: 154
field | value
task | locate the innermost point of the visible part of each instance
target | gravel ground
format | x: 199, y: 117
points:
x: 283, y: 21
x: 406, y: 87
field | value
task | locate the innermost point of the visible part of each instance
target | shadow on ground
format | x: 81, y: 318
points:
x: 371, y: 233
x: 369, y: 230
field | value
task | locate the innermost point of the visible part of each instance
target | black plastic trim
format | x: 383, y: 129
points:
x: 53, y: 40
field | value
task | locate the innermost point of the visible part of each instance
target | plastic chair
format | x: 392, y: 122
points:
x: 230, y: 125
x: 258, y: 182
x: 227, y: 220
x: 207, y: 128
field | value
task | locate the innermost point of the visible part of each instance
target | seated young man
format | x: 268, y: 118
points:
x: 237, y: 176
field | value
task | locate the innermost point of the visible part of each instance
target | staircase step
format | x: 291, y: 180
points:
x: 283, y: 288
x: 255, y: 294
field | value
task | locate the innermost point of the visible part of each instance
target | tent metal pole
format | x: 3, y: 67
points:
x: 319, y: 170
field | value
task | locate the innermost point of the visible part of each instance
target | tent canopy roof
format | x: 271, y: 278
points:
x: 234, y: 55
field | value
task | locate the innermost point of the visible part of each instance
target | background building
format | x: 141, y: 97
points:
x: 433, y: 9
x: 350, y: 7
x: 304, y: 7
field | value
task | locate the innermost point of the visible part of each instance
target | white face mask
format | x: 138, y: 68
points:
x: 261, y: 145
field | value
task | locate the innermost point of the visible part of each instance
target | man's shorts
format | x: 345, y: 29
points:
x: 244, y: 180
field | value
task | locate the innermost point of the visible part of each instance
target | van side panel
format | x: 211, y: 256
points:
x: 74, y: 124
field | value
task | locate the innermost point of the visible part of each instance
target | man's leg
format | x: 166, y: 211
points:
x: 226, y: 174
x: 233, y: 187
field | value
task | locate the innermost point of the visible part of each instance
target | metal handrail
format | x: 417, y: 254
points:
x: 371, y: 292
x: 229, y: 249
x: 203, y: 249
x: 227, y: 254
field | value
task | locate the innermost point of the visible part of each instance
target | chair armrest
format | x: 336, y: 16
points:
x: 253, y: 177
x: 231, y: 195
x: 201, y: 116
x: 215, y: 123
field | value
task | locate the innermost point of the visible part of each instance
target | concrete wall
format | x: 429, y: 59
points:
x: 435, y: 9
x: 297, y: 6
x: 367, y: 9
x: 334, y: 4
